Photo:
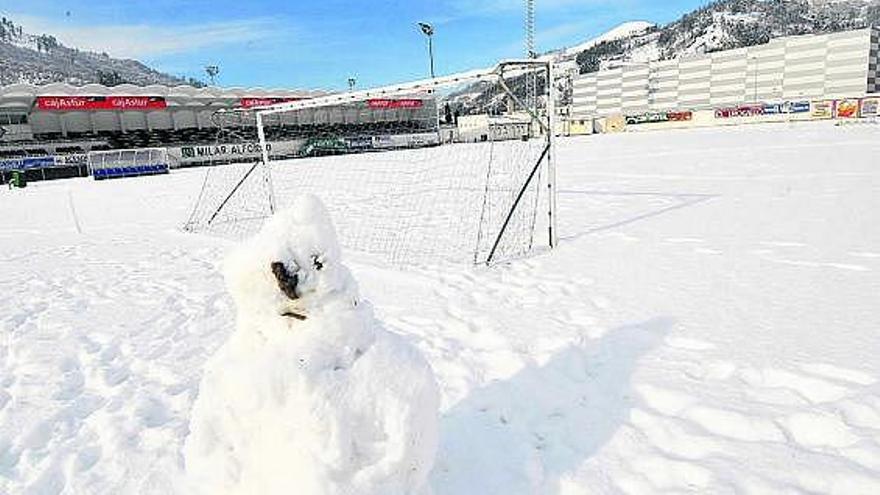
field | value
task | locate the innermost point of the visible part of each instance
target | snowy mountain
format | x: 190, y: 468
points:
x: 727, y: 24
x: 625, y: 30
x: 42, y: 59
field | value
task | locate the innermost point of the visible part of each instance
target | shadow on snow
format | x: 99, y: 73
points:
x: 522, y: 434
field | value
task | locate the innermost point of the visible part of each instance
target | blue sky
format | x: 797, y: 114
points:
x: 319, y: 44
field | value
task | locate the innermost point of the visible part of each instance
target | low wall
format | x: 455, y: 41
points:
x: 786, y: 111
x: 38, y: 162
x: 189, y: 156
x: 51, y: 173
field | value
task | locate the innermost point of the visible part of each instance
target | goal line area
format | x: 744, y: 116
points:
x: 455, y: 169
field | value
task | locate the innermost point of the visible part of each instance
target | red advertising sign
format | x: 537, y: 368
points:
x: 846, y: 109
x: 680, y: 116
x: 250, y: 102
x: 381, y: 103
x: 67, y: 103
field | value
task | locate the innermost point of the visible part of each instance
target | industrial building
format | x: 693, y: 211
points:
x: 794, y: 68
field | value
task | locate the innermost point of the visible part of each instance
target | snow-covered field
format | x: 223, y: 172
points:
x: 710, y: 324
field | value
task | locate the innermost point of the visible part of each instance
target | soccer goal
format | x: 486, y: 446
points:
x: 453, y: 169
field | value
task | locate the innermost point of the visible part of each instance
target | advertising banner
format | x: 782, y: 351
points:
x: 26, y: 163
x: 222, y: 151
x: 846, y: 109
x: 86, y: 103
x: 324, y: 145
x: 776, y: 108
x: 654, y: 117
x: 73, y: 159
x: 249, y: 102
x: 822, y: 109
x: 417, y: 140
x: 383, y: 103
x: 740, y: 111
x: 870, y: 107
x: 231, y: 151
x: 680, y: 116
x: 796, y: 107
x: 773, y: 108
x: 382, y: 142
x: 360, y: 142
x: 406, y: 140
x: 646, y: 118
x: 249, y: 151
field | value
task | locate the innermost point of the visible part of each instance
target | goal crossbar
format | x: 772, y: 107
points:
x: 478, y: 75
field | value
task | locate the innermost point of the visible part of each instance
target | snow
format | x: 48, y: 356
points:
x: 621, y: 31
x: 707, y: 325
x: 326, y: 401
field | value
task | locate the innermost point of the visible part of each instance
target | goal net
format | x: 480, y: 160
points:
x: 446, y: 170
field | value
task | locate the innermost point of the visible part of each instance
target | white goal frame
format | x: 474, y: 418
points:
x: 493, y: 74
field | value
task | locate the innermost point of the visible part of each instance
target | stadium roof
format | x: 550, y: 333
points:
x: 22, y: 96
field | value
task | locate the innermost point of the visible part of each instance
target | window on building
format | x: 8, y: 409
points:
x: 13, y: 119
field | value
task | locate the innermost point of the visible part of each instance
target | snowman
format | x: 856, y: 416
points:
x: 310, y: 395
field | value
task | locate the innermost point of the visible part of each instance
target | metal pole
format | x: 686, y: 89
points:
x: 516, y: 201
x: 232, y: 192
x: 553, y: 231
x: 530, y: 29
x: 431, y: 53
x: 437, y: 119
x: 428, y: 30
x: 264, y: 155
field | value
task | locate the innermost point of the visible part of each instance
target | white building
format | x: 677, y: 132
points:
x: 837, y: 65
x: 484, y: 127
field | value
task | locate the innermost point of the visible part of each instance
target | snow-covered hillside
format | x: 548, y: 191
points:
x: 42, y: 59
x: 622, y: 31
x: 707, y: 325
x: 725, y: 24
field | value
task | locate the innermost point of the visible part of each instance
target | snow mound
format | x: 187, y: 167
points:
x: 310, y: 395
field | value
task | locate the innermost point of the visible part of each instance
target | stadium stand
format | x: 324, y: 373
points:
x: 60, y: 119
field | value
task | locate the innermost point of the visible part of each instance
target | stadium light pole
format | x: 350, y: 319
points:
x: 212, y: 71
x: 428, y: 31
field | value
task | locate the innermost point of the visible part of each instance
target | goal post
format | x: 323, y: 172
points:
x: 264, y: 158
x: 446, y: 169
x: 552, y: 119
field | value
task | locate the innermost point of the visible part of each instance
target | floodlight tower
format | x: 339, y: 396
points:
x: 212, y: 71
x: 530, y: 29
x: 531, y: 78
x: 428, y: 30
